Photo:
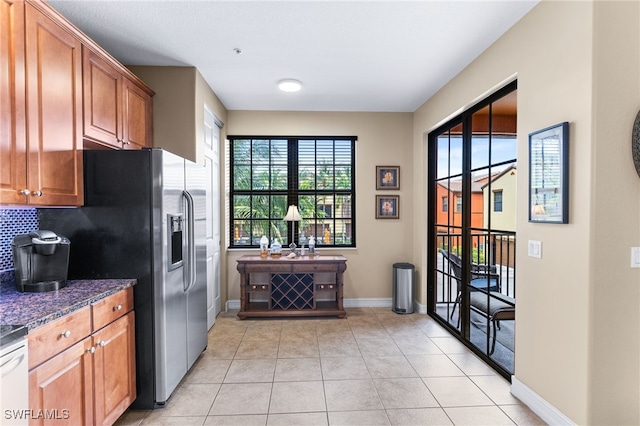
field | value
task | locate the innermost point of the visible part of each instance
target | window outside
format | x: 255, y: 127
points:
x: 497, y: 201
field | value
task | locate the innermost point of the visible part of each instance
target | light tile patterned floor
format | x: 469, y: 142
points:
x: 373, y: 368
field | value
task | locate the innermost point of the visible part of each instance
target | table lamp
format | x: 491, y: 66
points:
x: 293, y: 215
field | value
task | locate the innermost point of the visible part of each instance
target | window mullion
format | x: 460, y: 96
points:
x: 292, y: 186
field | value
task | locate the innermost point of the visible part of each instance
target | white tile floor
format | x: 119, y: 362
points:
x: 373, y: 368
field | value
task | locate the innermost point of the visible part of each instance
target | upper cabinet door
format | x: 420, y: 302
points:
x: 54, y: 111
x: 117, y: 111
x: 13, y: 145
x: 102, y: 99
x: 137, y: 116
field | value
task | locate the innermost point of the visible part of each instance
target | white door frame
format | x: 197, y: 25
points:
x: 212, y: 127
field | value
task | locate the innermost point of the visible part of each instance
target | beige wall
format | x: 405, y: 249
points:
x: 383, y: 139
x: 174, y: 107
x: 614, y: 354
x: 178, y: 108
x: 506, y: 219
x: 577, y: 325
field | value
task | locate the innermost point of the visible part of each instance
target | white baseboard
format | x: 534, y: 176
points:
x: 547, y: 412
x: 232, y: 304
x: 419, y: 308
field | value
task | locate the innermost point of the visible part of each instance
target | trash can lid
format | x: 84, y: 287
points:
x: 402, y: 265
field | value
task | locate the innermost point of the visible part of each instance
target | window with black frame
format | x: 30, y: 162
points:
x: 268, y: 174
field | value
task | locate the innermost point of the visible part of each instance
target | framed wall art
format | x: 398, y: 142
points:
x: 635, y: 144
x: 387, y: 206
x: 388, y: 177
x: 549, y: 174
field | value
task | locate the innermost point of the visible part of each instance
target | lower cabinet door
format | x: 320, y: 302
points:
x: 61, y: 389
x: 114, y: 369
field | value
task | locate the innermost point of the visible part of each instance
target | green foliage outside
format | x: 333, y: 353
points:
x: 477, y: 255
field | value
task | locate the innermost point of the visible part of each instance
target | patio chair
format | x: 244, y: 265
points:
x: 497, y: 306
x: 483, y: 277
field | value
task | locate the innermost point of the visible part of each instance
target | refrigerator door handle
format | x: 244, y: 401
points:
x: 191, y: 244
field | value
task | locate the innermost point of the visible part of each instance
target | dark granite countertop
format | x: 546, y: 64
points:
x: 36, y: 309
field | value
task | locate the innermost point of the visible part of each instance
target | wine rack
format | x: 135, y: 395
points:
x: 292, y: 291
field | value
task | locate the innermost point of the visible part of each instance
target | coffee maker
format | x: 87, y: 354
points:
x: 41, y: 261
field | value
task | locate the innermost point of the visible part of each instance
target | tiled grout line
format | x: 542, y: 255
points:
x: 421, y: 378
x: 378, y: 322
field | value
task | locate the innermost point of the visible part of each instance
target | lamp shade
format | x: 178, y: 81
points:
x: 539, y: 209
x: 293, y: 215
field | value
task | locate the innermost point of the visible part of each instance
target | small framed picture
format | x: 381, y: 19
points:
x: 387, y: 206
x: 387, y: 177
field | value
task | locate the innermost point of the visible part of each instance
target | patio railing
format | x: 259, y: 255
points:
x: 495, y: 249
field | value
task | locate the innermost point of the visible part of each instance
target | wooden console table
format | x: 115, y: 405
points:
x: 292, y: 289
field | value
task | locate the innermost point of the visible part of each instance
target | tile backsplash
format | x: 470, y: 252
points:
x: 13, y: 221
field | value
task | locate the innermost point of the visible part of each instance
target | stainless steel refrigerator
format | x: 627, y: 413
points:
x: 144, y: 218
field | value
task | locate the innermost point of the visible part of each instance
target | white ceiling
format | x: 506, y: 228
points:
x: 350, y: 55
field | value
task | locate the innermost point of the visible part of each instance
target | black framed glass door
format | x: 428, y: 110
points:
x: 472, y: 211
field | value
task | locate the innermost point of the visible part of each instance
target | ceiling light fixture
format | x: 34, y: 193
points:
x: 289, y: 85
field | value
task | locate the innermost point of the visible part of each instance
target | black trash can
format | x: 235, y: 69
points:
x: 403, y: 277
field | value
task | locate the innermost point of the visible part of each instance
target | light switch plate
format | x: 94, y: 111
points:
x: 534, y: 249
x: 635, y: 257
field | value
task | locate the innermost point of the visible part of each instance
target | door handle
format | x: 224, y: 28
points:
x: 11, y: 364
x: 191, y: 264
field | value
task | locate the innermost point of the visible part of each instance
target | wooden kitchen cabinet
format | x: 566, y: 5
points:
x: 43, y: 93
x: 114, y: 370
x: 117, y: 111
x: 102, y: 98
x: 138, y: 116
x: 13, y: 150
x: 82, y: 365
x: 49, y: 340
x: 63, y: 387
x: 55, y: 99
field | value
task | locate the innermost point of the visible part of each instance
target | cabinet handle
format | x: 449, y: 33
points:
x: 117, y: 308
x: 66, y: 334
x: 25, y: 192
x: 91, y: 350
x: 102, y: 344
x: 37, y: 193
x: 125, y: 142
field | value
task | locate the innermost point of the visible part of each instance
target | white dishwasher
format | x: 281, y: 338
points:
x: 14, y: 376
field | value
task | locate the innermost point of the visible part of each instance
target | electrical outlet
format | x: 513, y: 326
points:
x: 635, y: 257
x: 534, y: 249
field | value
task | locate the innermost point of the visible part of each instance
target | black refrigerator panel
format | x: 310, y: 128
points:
x: 112, y: 237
